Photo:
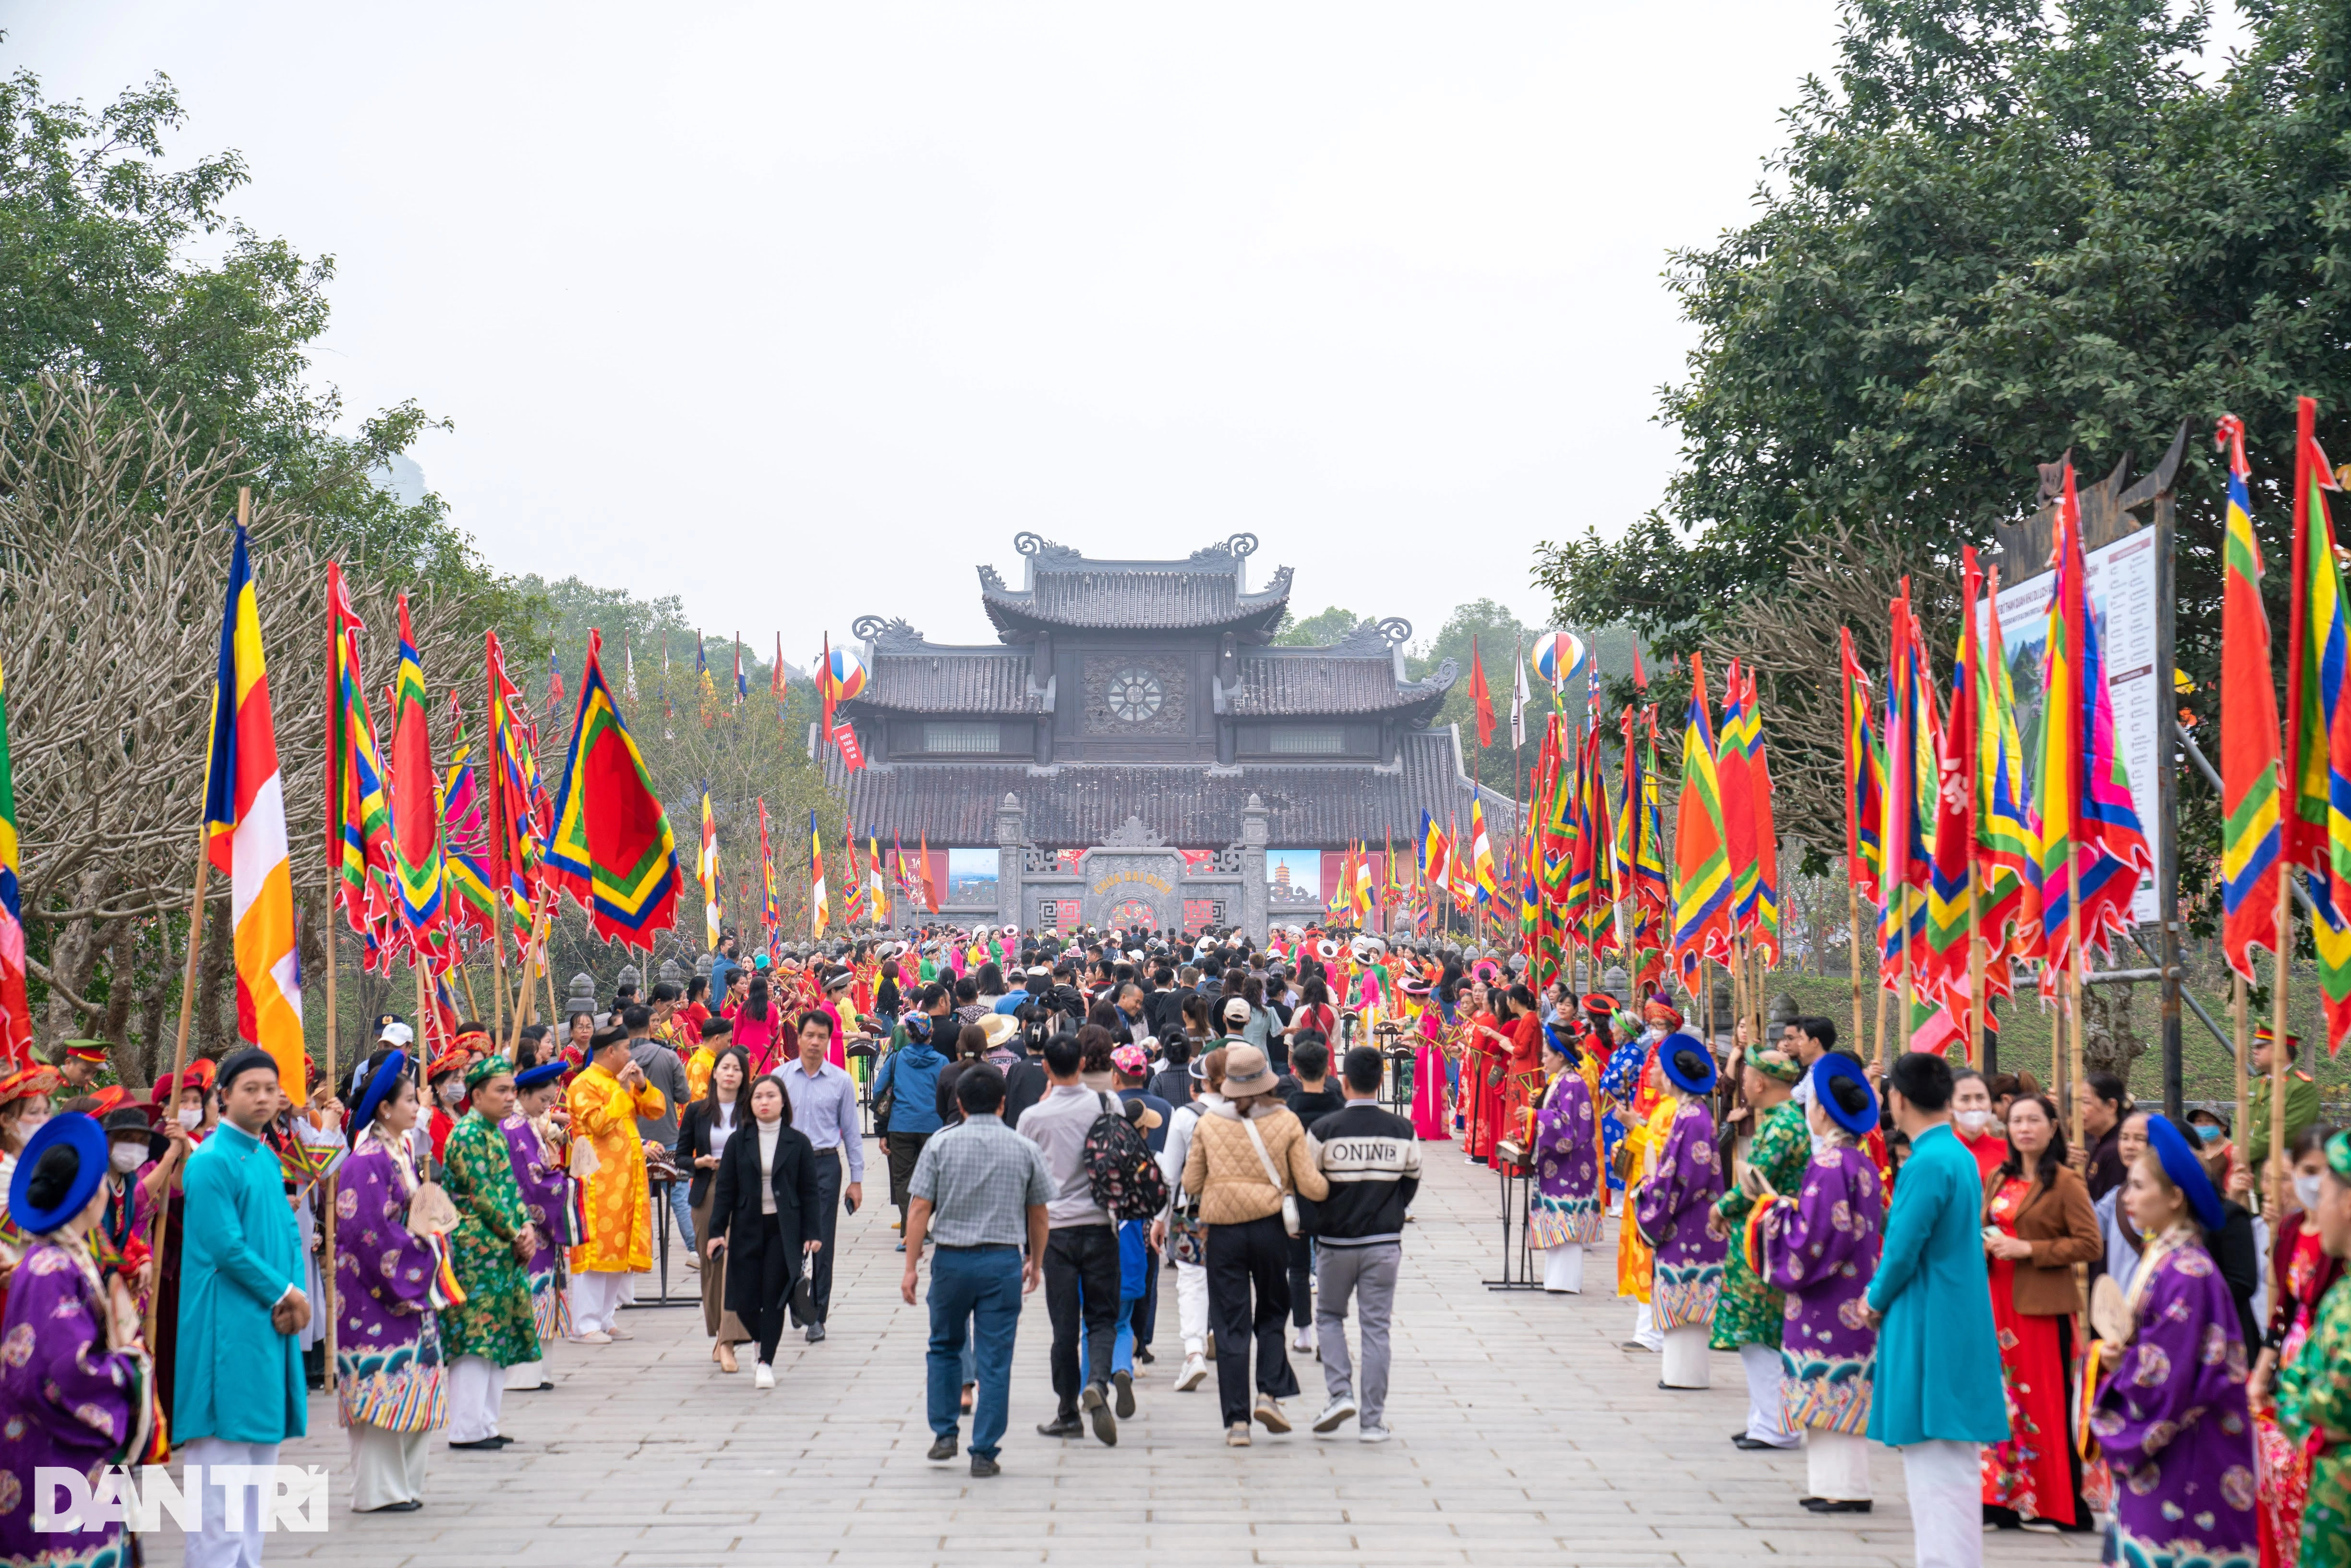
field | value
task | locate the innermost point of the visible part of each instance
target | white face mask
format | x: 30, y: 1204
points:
x: 2307, y: 1191
x: 191, y: 1116
x: 128, y: 1157
x: 1973, y: 1121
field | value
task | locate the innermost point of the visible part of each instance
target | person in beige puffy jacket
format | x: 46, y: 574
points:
x: 1240, y: 1181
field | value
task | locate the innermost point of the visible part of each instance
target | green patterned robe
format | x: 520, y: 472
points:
x: 2314, y: 1392
x: 1749, y: 1312
x: 496, y: 1321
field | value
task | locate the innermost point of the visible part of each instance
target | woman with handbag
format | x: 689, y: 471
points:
x: 1250, y: 1162
x: 703, y: 1134
x: 765, y: 1216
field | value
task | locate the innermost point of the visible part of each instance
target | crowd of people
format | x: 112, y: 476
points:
x: 1895, y: 1255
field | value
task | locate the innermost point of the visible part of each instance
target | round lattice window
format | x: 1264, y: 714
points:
x: 1135, y: 696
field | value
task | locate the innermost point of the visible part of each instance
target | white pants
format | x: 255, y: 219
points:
x: 1945, y: 1480
x: 386, y: 1466
x: 1836, y: 1465
x: 1645, y: 1330
x: 1767, y: 1421
x: 1686, y: 1358
x: 1564, y: 1269
x: 595, y: 1298
x: 1192, y: 1306
x: 219, y: 1541
x: 475, y: 1390
x: 526, y: 1376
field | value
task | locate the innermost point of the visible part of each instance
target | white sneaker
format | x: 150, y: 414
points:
x: 1373, y: 1435
x: 1195, y: 1369
x: 1335, y: 1415
x: 1303, y: 1340
x: 594, y: 1336
x: 617, y: 1332
x: 763, y: 1376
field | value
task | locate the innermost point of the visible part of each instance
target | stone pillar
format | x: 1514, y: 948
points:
x: 1256, y: 827
x: 1010, y: 860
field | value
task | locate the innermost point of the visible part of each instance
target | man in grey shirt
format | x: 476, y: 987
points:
x: 978, y: 1192
x: 665, y: 1072
x: 824, y: 1112
x: 1081, y: 1253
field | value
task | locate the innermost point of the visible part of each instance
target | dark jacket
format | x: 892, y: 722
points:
x: 2241, y: 1265
x: 1372, y: 1161
x: 2062, y: 1224
x: 734, y: 1212
x: 694, y: 1138
x: 1172, y: 1085
x: 1024, y: 1085
x: 1165, y: 1011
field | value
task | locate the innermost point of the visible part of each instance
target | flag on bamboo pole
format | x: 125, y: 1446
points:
x: 1436, y: 852
x: 1733, y: 779
x: 1364, y: 900
x: 522, y: 815
x: 244, y: 825
x: 1481, y: 854
x: 771, y: 901
x: 418, y: 866
x: 776, y: 681
x: 2005, y: 852
x: 2316, y: 834
x: 707, y: 687
x: 1480, y: 700
x: 1865, y: 782
x: 1910, y: 747
x: 1951, y: 882
x: 878, y: 900
x: 2082, y: 813
x: 1764, y: 932
x: 742, y: 682
x: 818, y: 914
x: 465, y: 834
x: 612, y: 848
x: 16, y: 1007
x: 705, y: 870
x: 930, y: 892
x: 1701, y: 896
x: 554, y: 685
x: 2248, y: 728
x: 358, y: 814
x: 1594, y: 825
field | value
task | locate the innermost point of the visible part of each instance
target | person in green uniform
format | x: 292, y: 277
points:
x: 1747, y: 1313
x: 2301, y: 1101
x: 493, y: 1327
x: 2313, y: 1392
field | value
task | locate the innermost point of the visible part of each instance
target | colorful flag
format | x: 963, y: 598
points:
x: 706, y: 872
x: 930, y: 890
x: 1865, y: 782
x: 1701, y: 894
x: 417, y: 865
x: 742, y: 683
x: 709, y: 688
x: 1434, y: 852
x: 521, y: 804
x: 819, y: 915
x: 1947, y: 959
x: 16, y: 1009
x: 359, y: 813
x: 465, y: 835
x: 1480, y: 700
x: 1731, y: 776
x: 878, y: 900
x: 1481, y: 854
x: 244, y: 825
x: 554, y: 685
x: 771, y: 901
x: 2248, y: 728
x: 776, y: 672
x: 2011, y: 922
x: 612, y: 848
x: 2318, y: 726
x: 1763, y: 931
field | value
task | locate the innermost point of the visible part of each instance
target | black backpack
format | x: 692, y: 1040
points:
x: 1122, y: 1172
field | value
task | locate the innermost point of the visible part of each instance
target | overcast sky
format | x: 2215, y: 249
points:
x: 800, y: 312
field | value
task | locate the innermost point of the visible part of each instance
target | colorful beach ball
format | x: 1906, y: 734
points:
x: 1557, y: 656
x: 847, y: 675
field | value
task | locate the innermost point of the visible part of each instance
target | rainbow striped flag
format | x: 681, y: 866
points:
x: 612, y: 848
x: 418, y: 868
x: 771, y: 902
x: 1763, y: 910
x: 2248, y: 728
x: 16, y: 1007
x: 1733, y: 777
x: 245, y: 834
x: 359, y: 813
x: 2011, y: 922
x: 2317, y: 833
x: 522, y: 799
x: 1951, y: 886
x: 1481, y: 855
x: 1701, y: 896
x: 1865, y: 782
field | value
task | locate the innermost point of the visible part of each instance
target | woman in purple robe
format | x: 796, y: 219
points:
x: 1563, y: 1206
x: 2170, y: 1415
x: 1671, y: 1210
x: 1819, y: 1246
x: 539, y: 1168
x: 388, y: 1376
x: 75, y: 1390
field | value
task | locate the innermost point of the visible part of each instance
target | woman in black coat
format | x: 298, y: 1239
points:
x: 764, y: 1215
x: 701, y: 1136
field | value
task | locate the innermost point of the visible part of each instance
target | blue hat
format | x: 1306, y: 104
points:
x: 84, y: 1140
x: 547, y: 1072
x: 1675, y: 1045
x: 1827, y: 1070
x: 379, y: 1089
x: 2187, y: 1172
x: 1560, y: 1044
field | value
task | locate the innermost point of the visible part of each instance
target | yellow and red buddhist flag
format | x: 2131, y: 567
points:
x: 612, y: 848
x: 878, y: 885
x: 16, y: 1009
x: 245, y: 826
x: 2248, y: 728
x: 771, y: 902
x: 705, y: 868
x: 818, y: 914
x: 1701, y: 906
x: 1481, y: 855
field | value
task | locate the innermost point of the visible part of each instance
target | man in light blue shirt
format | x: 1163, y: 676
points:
x: 824, y: 1112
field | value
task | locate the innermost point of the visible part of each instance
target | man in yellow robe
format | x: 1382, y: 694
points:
x: 1636, y: 1264
x: 605, y: 1102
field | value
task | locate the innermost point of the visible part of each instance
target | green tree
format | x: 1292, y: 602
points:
x: 1317, y: 630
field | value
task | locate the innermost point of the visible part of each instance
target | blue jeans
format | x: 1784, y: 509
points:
x: 681, y: 1209
x: 974, y: 1292
x: 1122, y: 1346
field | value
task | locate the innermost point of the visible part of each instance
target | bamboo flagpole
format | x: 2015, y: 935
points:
x: 334, y: 782
x: 493, y: 669
x: 180, y: 1056
x: 2242, y: 1031
x: 2277, y: 1174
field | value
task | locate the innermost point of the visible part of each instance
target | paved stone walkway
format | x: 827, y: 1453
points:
x: 1524, y: 1434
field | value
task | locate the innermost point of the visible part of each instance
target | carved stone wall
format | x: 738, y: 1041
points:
x: 1134, y: 693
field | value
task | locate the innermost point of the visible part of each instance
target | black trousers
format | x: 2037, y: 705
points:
x: 905, y: 1148
x: 828, y: 1221
x: 1242, y: 1257
x: 1302, y: 1279
x: 1082, y: 1286
x: 776, y: 1276
x: 1145, y: 1317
